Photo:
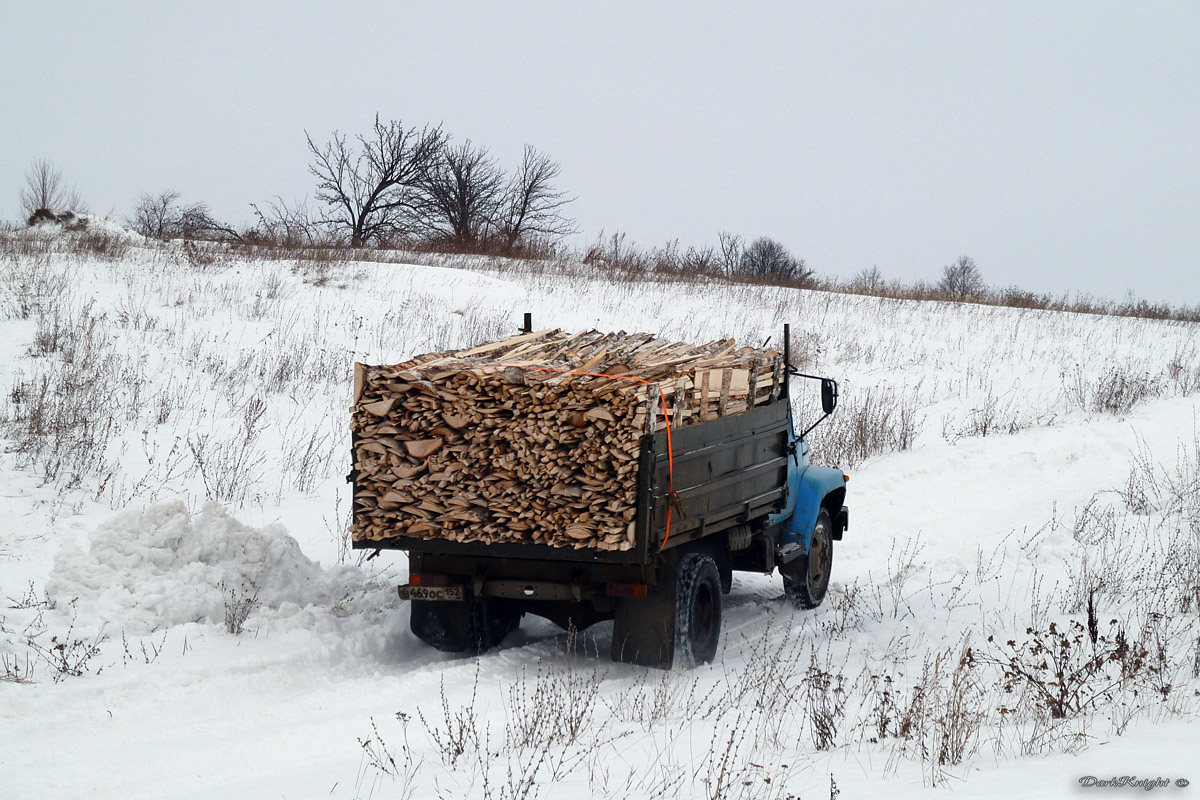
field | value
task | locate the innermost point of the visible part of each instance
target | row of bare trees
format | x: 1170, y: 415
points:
x: 46, y: 197
x: 961, y: 280
x: 763, y: 260
x: 396, y: 185
x: 401, y: 183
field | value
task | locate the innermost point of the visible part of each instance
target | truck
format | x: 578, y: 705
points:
x: 737, y: 493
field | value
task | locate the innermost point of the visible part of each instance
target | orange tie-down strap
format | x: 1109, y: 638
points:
x: 667, y: 417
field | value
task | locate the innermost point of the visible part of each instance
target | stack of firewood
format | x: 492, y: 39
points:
x: 535, y: 438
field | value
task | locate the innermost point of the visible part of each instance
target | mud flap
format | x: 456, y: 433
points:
x: 471, y: 626
x: 644, y: 627
x: 449, y: 627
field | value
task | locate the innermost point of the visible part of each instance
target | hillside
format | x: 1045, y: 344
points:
x: 173, y: 530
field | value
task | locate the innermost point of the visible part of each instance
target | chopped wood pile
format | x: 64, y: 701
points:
x: 506, y: 442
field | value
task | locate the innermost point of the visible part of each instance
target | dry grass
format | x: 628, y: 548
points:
x: 1014, y: 297
x: 869, y: 423
x: 613, y: 258
x: 807, y: 683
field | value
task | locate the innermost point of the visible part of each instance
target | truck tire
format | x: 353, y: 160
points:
x: 697, y: 610
x: 806, y: 580
x: 473, y: 626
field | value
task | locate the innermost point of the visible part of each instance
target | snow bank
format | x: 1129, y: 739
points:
x: 112, y: 228
x: 167, y: 566
x: 67, y: 223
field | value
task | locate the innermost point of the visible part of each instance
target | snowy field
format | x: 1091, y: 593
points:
x: 181, y: 616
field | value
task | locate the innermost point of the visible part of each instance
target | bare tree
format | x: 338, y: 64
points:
x: 532, y: 204
x: 961, y: 279
x: 868, y: 279
x: 732, y: 247
x: 45, y: 189
x: 767, y: 258
x: 196, y: 221
x: 290, y: 225
x: 700, y: 261
x: 160, y: 216
x: 463, y: 190
x: 372, y: 191
x: 152, y: 213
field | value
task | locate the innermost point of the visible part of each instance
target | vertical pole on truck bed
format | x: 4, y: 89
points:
x: 527, y: 326
x: 787, y: 358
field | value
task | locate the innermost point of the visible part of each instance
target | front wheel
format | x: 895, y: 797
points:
x: 806, y: 580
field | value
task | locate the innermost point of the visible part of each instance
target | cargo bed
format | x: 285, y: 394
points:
x: 727, y: 471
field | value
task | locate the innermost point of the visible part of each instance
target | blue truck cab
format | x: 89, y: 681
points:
x: 813, y: 516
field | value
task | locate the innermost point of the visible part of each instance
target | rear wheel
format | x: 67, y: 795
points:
x: 697, y: 610
x: 472, y: 626
x: 806, y: 580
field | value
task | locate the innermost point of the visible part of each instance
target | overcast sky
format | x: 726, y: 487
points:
x: 1058, y: 144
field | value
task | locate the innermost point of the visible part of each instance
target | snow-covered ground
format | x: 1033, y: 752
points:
x: 175, y: 428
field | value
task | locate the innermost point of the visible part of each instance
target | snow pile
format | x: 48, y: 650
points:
x: 114, y: 229
x: 51, y: 225
x: 167, y: 566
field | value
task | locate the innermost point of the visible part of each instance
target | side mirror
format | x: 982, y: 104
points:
x: 829, y: 395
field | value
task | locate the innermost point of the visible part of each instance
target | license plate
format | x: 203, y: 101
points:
x: 431, y: 592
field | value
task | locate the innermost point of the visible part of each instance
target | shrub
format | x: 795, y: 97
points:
x: 161, y: 216
x: 231, y: 468
x: 825, y: 702
x: 616, y: 253
x: 1066, y: 671
x: 69, y: 656
x: 54, y: 423
x: 940, y: 722
x: 240, y: 602
x: 1116, y: 391
x: 29, y: 284
x: 1120, y: 389
x: 870, y: 423
x: 767, y: 259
